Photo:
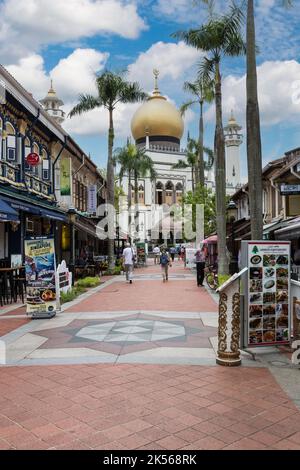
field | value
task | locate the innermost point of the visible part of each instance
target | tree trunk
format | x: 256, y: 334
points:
x: 193, y: 178
x: 129, y: 196
x: 136, y: 201
x: 253, y: 132
x: 220, y: 178
x: 201, y: 145
x: 111, y: 191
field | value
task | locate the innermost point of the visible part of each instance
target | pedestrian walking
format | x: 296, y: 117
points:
x: 128, y: 261
x: 173, y: 253
x: 156, y: 252
x: 165, y: 262
x: 200, y: 258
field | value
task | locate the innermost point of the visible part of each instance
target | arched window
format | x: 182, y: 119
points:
x: 45, y: 165
x: 159, y: 193
x: 11, y: 143
x: 169, y: 193
x: 141, y: 194
x: 179, y: 191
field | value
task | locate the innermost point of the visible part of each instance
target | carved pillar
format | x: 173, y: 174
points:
x: 229, y: 325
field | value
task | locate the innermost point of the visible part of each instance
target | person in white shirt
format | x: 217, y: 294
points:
x: 128, y: 260
x: 156, y: 252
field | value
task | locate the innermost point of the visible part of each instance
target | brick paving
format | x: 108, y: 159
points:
x: 139, y: 406
x: 144, y: 407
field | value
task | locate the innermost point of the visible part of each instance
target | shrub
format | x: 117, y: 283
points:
x: 223, y: 278
x: 117, y: 270
x: 88, y: 282
x: 71, y: 295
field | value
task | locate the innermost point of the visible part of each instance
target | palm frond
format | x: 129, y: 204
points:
x: 86, y: 103
x: 185, y: 106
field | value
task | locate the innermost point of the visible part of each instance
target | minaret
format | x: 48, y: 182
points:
x: 52, y: 105
x: 233, y: 140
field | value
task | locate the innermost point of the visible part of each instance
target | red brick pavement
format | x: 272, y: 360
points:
x: 7, y: 325
x: 144, y: 407
x: 176, y: 295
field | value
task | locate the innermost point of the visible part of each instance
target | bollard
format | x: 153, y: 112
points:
x: 229, y: 323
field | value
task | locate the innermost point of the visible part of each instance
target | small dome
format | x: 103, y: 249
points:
x: 157, y: 117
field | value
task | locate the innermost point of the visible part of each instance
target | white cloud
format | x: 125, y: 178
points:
x: 276, y: 88
x: 28, y: 25
x: 172, y: 60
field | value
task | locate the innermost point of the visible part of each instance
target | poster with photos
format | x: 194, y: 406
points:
x: 268, y: 293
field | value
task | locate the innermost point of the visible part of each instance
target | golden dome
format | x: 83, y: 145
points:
x: 157, y: 117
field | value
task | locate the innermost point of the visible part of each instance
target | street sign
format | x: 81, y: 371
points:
x: 33, y: 159
x: 290, y: 189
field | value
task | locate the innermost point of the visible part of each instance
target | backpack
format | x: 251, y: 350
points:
x: 164, y: 259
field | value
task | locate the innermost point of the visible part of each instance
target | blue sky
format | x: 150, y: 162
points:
x: 71, y: 40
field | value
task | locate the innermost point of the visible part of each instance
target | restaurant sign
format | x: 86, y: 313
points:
x: 40, y: 270
x: 290, y: 189
x: 268, y: 306
x: 33, y: 159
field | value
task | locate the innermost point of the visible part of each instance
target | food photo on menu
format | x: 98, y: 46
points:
x: 256, y: 311
x: 256, y: 285
x: 256, y: 298
x: 282, y: 296
x: 269, y: 297
x: 256, y: 273
x: 269, y: 260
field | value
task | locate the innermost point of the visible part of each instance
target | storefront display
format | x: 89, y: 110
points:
x: 268, y: 305
x: 40, y: 267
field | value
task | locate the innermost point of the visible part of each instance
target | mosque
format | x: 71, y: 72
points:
x: 158, y: 127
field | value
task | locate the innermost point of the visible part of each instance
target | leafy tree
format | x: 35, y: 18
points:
x: 220, y: 37
x: 205, y: 196
x: 112, y: 89
x: 202, y: 92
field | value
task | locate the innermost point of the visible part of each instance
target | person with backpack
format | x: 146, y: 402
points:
x: 165, y: 263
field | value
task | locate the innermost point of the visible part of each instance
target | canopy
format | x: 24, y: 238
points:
x: 212, y: 239
x: 7, y: 213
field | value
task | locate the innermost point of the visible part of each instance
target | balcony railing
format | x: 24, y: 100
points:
x: 10, y: 173
x: 38, y: 186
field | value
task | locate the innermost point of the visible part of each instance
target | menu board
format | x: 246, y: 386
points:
x: 40, y: 277
x: 268, y: 293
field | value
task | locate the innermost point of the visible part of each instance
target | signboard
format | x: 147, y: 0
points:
x: 290, y: 189
x: 190, y: 260
x: 40, y: 277
x: 65, y: 177
x: 33, y: 159
x: 268, y: 306
x: 141, y: 253
x: 92, y: 199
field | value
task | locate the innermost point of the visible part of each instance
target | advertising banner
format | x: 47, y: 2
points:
x: 268, y: 293
x: 92, y: 199
x: 65, y: 177
x: 40, y: 277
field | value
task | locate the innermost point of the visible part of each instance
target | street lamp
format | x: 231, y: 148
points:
x: 232, y: 214
x: 72, y: 220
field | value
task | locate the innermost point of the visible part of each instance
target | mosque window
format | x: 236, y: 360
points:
x: 141, y: 194
x: 159, y: 193
x: 169, y: 192
x: 179, y: 191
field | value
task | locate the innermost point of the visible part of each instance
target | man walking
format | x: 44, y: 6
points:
x: 172, y: 253
x: 165, y: 263
x: 200, y: 263
x: 128, y: 260
x: 156, y: 252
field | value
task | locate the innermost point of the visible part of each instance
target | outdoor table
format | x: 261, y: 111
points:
x: 10, y: 284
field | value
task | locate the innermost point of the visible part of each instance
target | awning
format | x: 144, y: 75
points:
x: 290, y: 232
x: 7, y: 213
x: 53, y: 215
x: 42, y: 211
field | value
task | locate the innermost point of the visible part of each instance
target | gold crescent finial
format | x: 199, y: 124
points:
x: 156, y: 75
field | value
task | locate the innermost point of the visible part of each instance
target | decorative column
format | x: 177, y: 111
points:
x: 229, y: 323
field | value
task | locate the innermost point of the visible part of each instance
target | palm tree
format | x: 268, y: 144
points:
x: 254, y: 152
x: 202, y: 92
x: 219, y: 37
x: 112, y: 89
x: 135, y: 164
x: 191, y: 160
